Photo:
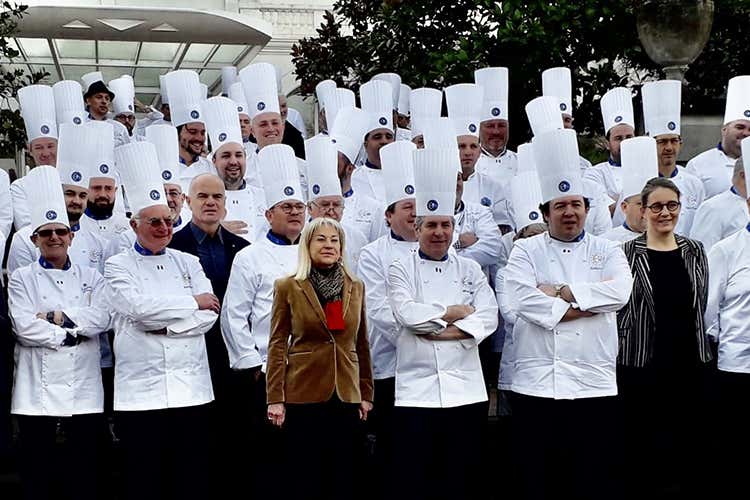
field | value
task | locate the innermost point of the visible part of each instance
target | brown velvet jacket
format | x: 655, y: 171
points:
x: 306, y: 361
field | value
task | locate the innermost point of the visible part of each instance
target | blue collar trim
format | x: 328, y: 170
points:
x: 75, y: 227
x: 145, y: 251
x: 96, y: 217
x: 371, y: 165
x: 349, y: 193
x: 424, y: 256
x: 46, y: 265
x: 613, y: 162
x: 278, y: 239
x: 748, y: 227
x: 734, y: 190
x: 574, y: 240
x: 396, y: 237
x: 625, y: 225
x: 720, y: 147
x: 672, y: 175
x: 177, y: 222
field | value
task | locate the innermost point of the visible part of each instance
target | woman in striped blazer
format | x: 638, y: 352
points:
x: 664, y: 351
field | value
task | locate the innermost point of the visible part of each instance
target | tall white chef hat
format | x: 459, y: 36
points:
x: 494, y: 82
x: 424, y: 103
x: 348, y: 132
x: 69, y: 106
x: 738, y: 99
x: 124, y: 90
x: 279, y: 174
x: 440, y: 133
x: 204, y: 91
x: 38, y: 111
x: 139, y: 169
x: 661, y: 107
x: 376, y: 97
x: 558, y: 164
x: 339, y: 99
x: 544, y: 114
x: 102, y: 160
x: 322, y: 161
x: 75, y: 147
x: 228, y: 78
x: 464, y: 102
x: 526, y: 196
x: 745, y: 146
x: 526, y: 160
x: 164, y: 139
x: 395, y: 81
x: 323, y: 91
x: 617, y: 108
x: 557, y: 82
x: 397, y: 159
x: 237, y: 94
x: 640, y: 164
x: 163, y: 89
x: 435, y: 181
x: 46, y: 202
x: 184, y: 90
x: 261, y: 91
x: 222, y: 125
x: 403, y: 99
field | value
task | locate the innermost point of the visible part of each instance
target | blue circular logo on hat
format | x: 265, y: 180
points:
x: 154, y: 194
x: 240, y: 109
x: 76, y: 176
x: 130, y: 107
x: 495, y: 111
x: 563, y: 106
x: 486, y: 202
x: 432, y: 205
x: 261, y: 106
x: 618, y: 119
x: 222, y: 137
x: 51, y: 215
x: 671, y: 125
x: 45, y: 129
x: 382, y: 120
x: 333, y: 141
x: 409, y: 189
x: 472, y: 128
x: 194, y: 114
x: 533, y: 215
x: 77, y: 120
x: 316, y: 189
x: 104, y: 168
x: 564, y: 186
x: 747, y: 113
x: 166, y: 175
x: 289, y: 190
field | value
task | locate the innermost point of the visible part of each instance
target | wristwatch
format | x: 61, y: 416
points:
x: 558, y: 290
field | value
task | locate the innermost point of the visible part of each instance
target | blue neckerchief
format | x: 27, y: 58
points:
x: 349, y: 193
x: 96, y: 217
x: 459, y: 208
x: 177, y: 222
x: 278, y: 239
x: 427, y: 257
x: 672, y: 175
x: 720, y: 147
x: 396, y: 237
x: 75, y: 227
x: 748, y: 226
x: 145, y: 251
x: 734, y: 190
x: 613, y: 162
x: 574, y: 240
x: 195, y: 159
x: 370, y: 165
x: 625, y: 225
x: 182, y: 161
x: 46, y: 265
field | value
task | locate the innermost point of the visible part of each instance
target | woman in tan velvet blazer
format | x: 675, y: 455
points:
x: 319, y: 375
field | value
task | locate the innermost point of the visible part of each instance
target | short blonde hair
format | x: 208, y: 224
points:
x: 304, y: 262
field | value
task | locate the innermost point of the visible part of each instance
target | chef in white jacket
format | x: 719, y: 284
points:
x: 444, y: 308
x: 162, y: 305
x: 565, y: 287
x: 58, y: 313
x: 661, y: 116
x: 98, y: 99
x: 245, y: 204
x: 715, y: 167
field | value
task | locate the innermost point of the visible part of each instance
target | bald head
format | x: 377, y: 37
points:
x: 206, y: 200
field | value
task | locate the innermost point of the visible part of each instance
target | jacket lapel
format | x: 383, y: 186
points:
x: 346, y: 293
x: 312, y: 298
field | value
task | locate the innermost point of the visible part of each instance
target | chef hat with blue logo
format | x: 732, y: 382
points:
x: 228, y: 78
x: 237, y: 94
x: 397, y: 159
x: 526, y: 196
x: 557, y: 82
x: 376, y: 97
x: 662, y: 102
x: 339, y: 99
x: 544, y: 114
x: 75, y: 147
x: 124, y: 89
x: 640, y: 163
x: 222, y: 125
x: 424, y: 104
x: 617, y: 108
x: 348, y: 132
x: 185, y: 97
x: 164, y: 139
x: 138, y: 165
x: 69, y: 105
x: 403, y: 99
x: 395, y: 81
x: 38, y: 111
x: 738, y: 99
x: 46, y: 202
x: 322, y: 160
x: 261, y: 91
x: 102, y: 160
x: 525, y: 155
x: 435, y: 181
x: 494, y: 83
x: 279, y: 174
x: 558, y: 164
x: 464, y: 102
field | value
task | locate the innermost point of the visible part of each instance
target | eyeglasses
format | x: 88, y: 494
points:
x: 158, y: 221
x: 46, y: 233
x: 672, y: 206
x: 288, y: 208
x: 337, y: 206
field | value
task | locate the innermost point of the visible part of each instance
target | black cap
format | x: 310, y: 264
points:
x: 97, y: 87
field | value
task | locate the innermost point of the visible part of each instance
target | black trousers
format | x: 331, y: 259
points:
x: 380, y: 423
x: 49, y: 471
x: 734, y: 442
x: 325, y: 450
x: 166, y: 453
x: 438, y: 452
x: 565, y: 448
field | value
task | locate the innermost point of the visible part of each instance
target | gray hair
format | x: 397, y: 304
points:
x: 420, y: 220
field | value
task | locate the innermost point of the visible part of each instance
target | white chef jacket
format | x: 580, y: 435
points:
x: 187, y: 172
x: 714, y: 169
x: 19, y: 203
x: 382, y: 329
x: 478, y: 219
x: 153, y: 117
x: 598, y: 220
x: 719, y: 217
x: 248, y: 205
x: 509, y: 319
x: 365, y: 213
x: 87, y: 249
x: 482, y: 189
x: 355, y: 242
x: 403, y: 134
x: 246, y: 312
x: 501, y: 168
x: 607, y: 174
x: 6, y: 204
x: 574, y: 359
x: 109, y: 228
x: 691, y: 198
x: 51, y: 379
x: 368, y: 181
x: 153, y: 292
x: 620, y: 234
x: 726, y: 315
x: 439, y: 374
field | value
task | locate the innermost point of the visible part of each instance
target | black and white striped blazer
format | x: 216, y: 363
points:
x: 636, y: 321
